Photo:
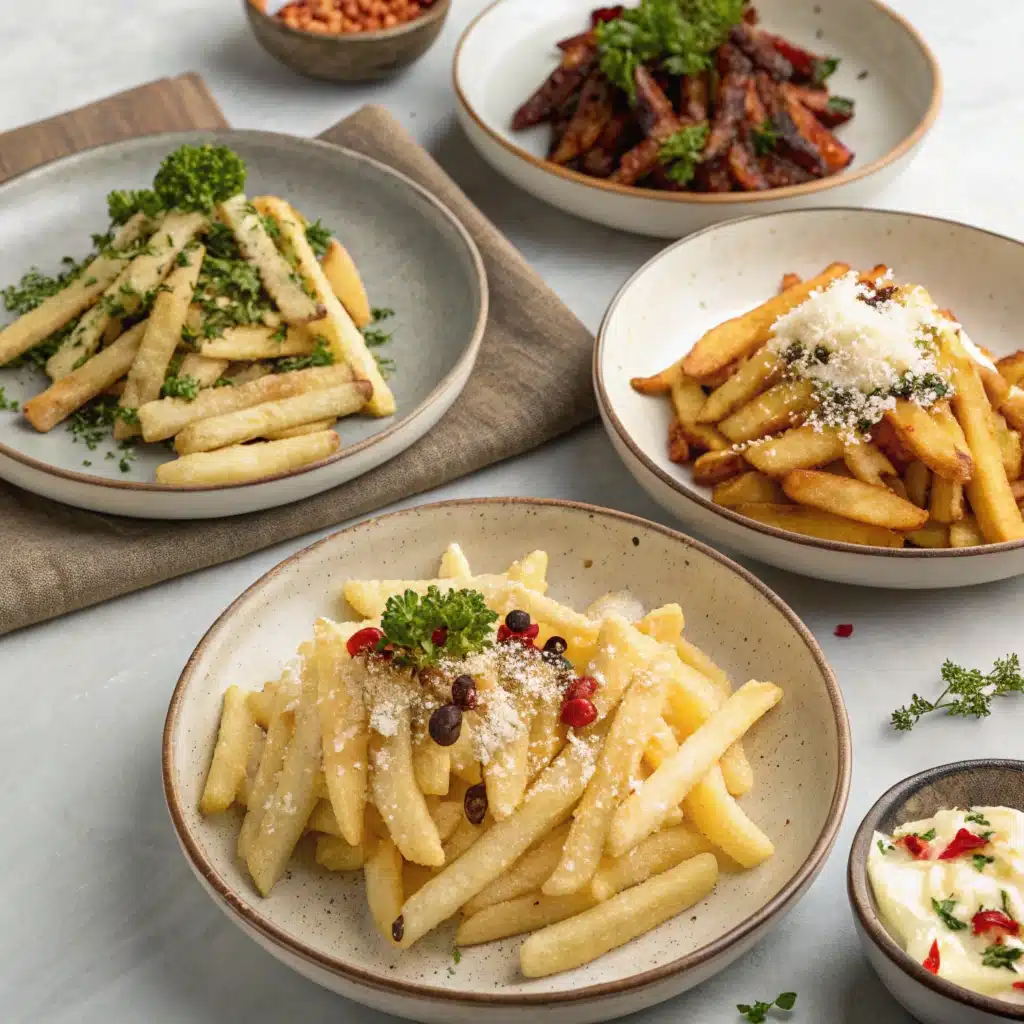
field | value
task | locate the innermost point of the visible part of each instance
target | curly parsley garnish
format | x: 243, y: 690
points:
x: 765, y: 137
x: 944, y: 909
x: 969, y: 692
x: 680, y: 152
x: 757, y: 1013
x: 412, y: 624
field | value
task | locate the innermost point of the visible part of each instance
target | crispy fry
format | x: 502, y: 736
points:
x: 931, y: 535
x: 1012, y: 367
x: 341, y: 271
x: 923, y: 435
x: 654, y: 855
x: 754, y: 376
x: 384, y: 890
x: 257, y: 342
x: 523, y: 914
x: 231, y: 754
x: 303, y: 428
x: 966, y: 533
x: 711, y: 810
x: 688, y: 399
x: 335, y: 854
x: 918, y: 479
x: 868, y: 463
x: 812, y: 522
x: 853, y: 499
x: 715, y: 467
x: 799, y: 448
x: 783, y: 406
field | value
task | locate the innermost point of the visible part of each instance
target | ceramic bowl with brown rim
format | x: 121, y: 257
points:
x: 931, y: 999
x: 318, y: 923
x: 725, y: 270
x: 414, y: 256
x: 886, y: 68
x: 346, y: 56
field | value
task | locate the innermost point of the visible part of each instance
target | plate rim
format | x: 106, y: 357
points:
x: 726, y: 199
x: 803, y: 876
x: 463, y: 364
x: 613, y: 421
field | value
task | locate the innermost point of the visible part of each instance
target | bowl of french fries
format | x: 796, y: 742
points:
x: 504, y: 755
x: 663, y: 116
x: 240, y: 336
x: 841, y: 400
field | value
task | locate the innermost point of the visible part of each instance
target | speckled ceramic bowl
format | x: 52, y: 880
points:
x: 317, y: 922
x: 983, y: 783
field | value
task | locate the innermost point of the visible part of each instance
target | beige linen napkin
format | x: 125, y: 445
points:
x: 531, y: 383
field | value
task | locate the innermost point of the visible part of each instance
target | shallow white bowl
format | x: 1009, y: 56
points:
x: 509, y: 49
x: 412, y: 252
x: 317, y: 922
x: 689, y: 287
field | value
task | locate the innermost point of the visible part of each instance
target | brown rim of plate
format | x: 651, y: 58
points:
x: 438, y: 9
x: 469, y: 353
x: 725, y: 198
x: 777, y: 904
x: 613, y: 420
x: 861, y: 899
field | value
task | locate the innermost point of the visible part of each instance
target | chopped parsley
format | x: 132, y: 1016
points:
x: 91, y: 424
x: 980, y: 861
x: 7, y: 404
x: 823, y: 68
x: 841, y: 105
x: 765, y: 137
x: 320, y: 356
x: 223, y: 382
x: 281, y: 333
x: 229, y: 292
x: 319, y: 238
x: 180, y: 386
x: 977, y: 819
x: 883, y: 849
x: 381, y: 313
x: 375, y: 337
x: 1002, y: 956
x: 757, y: 1013
x: 925, y: 837
x: 680, y: 152
x: 945, y: 908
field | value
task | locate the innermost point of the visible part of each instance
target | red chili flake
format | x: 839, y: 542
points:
x: 364, y: 640
x: 844, y: 629
x: 584, y: 686
x: 932, y: 962
x: 439, y: 636
x: 989, y: 920
x: 963, y: 842
x: 916, y: 847
x: 578, y: 712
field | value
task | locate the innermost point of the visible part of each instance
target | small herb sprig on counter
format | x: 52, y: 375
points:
x: 421, y: 630
x: 757, y: 1013
x: 7, y: 404
x: 968, y: 692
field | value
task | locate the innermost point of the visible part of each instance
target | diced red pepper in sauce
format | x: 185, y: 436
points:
x: 993, y: 920
x: 916, y: 847
x: 932, y: 961
x: 963, y: 842
x: 844, y: 629
x: 1019, y: 985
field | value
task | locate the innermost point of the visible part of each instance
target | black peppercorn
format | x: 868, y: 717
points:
x: 475, y: 803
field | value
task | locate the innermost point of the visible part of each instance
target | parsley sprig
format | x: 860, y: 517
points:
x: 757, y: 1013
x: 968, y: 692
x: 680, y: 152
x: 410, y: 623
x: 1002, y: 956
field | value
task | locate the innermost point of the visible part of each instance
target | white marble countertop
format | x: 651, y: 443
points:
x: 100, y: 919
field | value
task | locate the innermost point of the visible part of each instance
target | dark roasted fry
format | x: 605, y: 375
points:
x: 653, y: 107
x: 729, y: 111
x: 601, y: 159
x: 781, y: 173
x: 831, y: 111
x: 743, y: 165
x: 694, y: 98
x: 713, y: 176
x: 801, y: 60
x: 759, y: 49
x: 577, y: 62
x: 637, y: 163
x: 593, y: 112
x: 790, y: 141
x: 753, y: 108
x: 834, y: 154
x: 582, y: 37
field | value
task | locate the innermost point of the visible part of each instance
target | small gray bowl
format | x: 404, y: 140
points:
x: 932, y: 1000
x: 351, y: 57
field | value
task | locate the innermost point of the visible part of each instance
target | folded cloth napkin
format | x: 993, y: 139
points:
x: 57, y: 559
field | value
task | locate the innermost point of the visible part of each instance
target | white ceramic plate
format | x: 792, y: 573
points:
x: 317, y: 922
x: 508, y: 50
x: 414, y: 256
x: 701, y: 281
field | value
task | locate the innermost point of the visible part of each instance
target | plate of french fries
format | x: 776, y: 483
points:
x: 837, y: 393
x: 257, y: 318
x: 507, y: 754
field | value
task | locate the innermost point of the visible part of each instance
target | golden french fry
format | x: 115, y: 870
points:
x: 783, y: 406
x: 1013, y: 408
x: 447, y: 815
x: 868, y: 463
x: 715, y: 467
x: 812, y: 522
x: 711, y: 810
x: 206, y: 372
x: 257, y: 342
x: 931, y: 535
x: 464, y: 836
x: 257, y: 742
x: 741, y: 335
x: 530, y: 571
x: 1009, y: 446
x: 1012, y: 367
x: 642, y: 813
x: 966, y: 533
x: 340, y: 270
x: 924, y: 435
x: 73, y: 390
x: 231, y: 754
x: 261, y: 704
x: 506, y: 774
x: 370, y: 597
x: 918, y: 479
x: 654, y: 855
x: 464, y: 763
x: 316, y: 427
x: 454, y: 563
x: 335, y: 854
x: 688, y: 399
x: 431, y: 765
x: 580, y: 939
x: 523, y: 914
x: 996, y: 386
x: 798, y: 448
x: 852, y: 499
x: 664, y: 624
x: 757, y: 374
x: 384, y: 891
x: 752, y: 487
x: 245, y: 463
x: 323, y: 819
x: 547, y: 737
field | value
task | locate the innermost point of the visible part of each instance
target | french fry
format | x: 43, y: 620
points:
x: 344, y: 723
x: 547, y: 737
x: 1012, y: 367
x: 258, y: 248
x: 261, y: 704
x: 464, y: 836
x: 665, y: 623
x: 72, y: 391
x: 662, y: 743
x: 812, y: 522
x: 918, y: 480
x: 316, y: 427
x: 757, y: 374
x: 205, y: 371
x: 741, y: 335
x: 431, y: 765
x: 231, y: 754
x: 125, y: 294
x: 751, y: 487
x: 693, y: 656
x: 1017, y: 490
x: 384, y: 891
x: 552, y: 796
x: 342, y: 335
x: 454, y: 563
x: 925, y: 436
x: 616, y: 658
x: 393, y: 780
x: 853, y: 499
x: 966, y: 533
x: 635, y: 719
x: 996, y: 386
x: 804, y: 447
x: 257, y: 741
x: 526, y: 875
x: 931, y: 535
x: 238, y: 374
x: 642, y: 813
x: 788, y: 281
x: 688, y: 399
x: 779, y: 408
x: 257, y: 421
x: 447, y: 815
x: 169, y: 416
x: 711, y: 810
x: 463, y: 760
x: 293, y: 795
x: 868, y: 463
x: 335, y: 854
x: 163, y: 332
x: 340, y: 270
x: 530, y: 571
x: 78, y: 295
x: 245, y: 463
x: 716, y: 467
x: 370, y: 597
x: 654, y: 855
x: 1013, y: 408
x: 1009, y: 446
x: 257, y: 342
x: 580, y: 939
x: 988, y: 490
x: 323, y: 819
x: 523, y: 914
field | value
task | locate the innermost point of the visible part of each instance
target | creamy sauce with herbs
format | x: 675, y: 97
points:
x: 953, y: 885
